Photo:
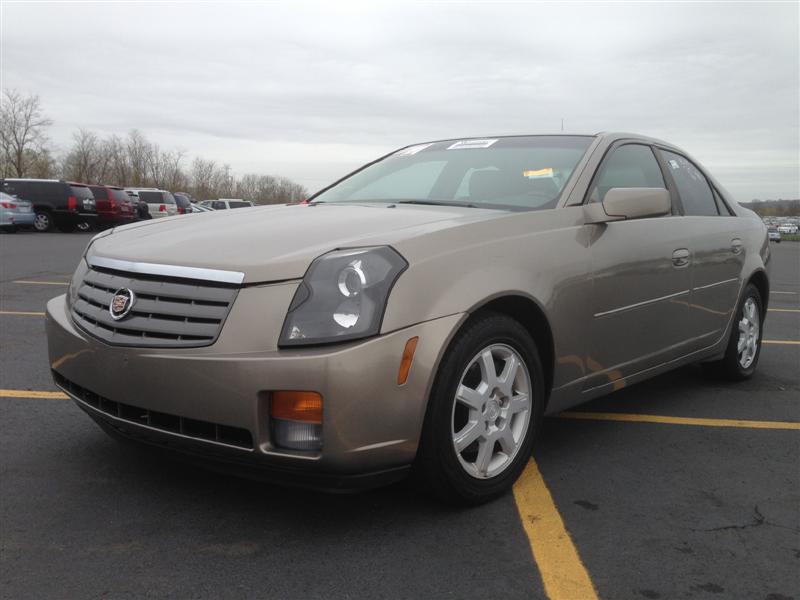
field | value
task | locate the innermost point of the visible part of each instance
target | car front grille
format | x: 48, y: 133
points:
x: 191, y: 428
x: 167, y: 312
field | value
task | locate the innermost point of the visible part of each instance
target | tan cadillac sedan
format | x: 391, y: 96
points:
x: 423, y: 312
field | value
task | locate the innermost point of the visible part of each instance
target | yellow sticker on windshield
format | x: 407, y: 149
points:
x: 538, y: 173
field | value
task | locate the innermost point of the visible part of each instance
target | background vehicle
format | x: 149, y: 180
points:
x: 184, y: 203
x: 201, y: 208
x: 787, y: 228
x: 160, y: 203
x: 15, y: 213
x: 226, y: 203
x: 114, y: 206
x: 57, y: 203
x: 774, y: 234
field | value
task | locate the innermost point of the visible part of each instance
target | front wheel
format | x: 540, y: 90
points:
x: 485, y: 407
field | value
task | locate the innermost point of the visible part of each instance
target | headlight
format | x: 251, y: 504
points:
x: 75, y: 282
x: 342, y: 296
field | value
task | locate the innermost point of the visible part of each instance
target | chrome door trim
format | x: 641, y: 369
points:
x: 640, y: 304
x: 711, y: 285
x: 217, y: 275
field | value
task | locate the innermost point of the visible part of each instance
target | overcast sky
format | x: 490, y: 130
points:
x: 311, y: 91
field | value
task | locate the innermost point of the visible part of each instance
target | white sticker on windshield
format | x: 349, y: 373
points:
x: 412, y: 150
x: 466, y: 144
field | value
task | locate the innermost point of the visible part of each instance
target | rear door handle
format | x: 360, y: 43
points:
x: 736, y: 245
x: 680, y: 258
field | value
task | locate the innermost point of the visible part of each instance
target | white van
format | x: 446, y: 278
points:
x: 160, y: 203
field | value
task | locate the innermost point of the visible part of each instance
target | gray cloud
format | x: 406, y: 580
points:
x: 311, y: 90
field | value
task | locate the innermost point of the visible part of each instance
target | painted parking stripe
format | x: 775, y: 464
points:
x: 783, y: 310
x: 640, y: 418
x: 558, y: 561
x: 789, y: 342
x: 32, y: 394
x: 27, y: 282
x: 790, y: 293
x: 21, y: 313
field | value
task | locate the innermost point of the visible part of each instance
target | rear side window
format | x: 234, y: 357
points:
x: 696, y: 195
x: 218, y: 205
x: 99, y: 193
x: 168, y: 198
x: 629, y: 166
x: 234, y: 204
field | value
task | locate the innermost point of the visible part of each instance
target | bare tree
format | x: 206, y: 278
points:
x: 84, y: 160
x: 22, y: 132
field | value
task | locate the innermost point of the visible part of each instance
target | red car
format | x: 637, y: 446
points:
x: 114, y: 206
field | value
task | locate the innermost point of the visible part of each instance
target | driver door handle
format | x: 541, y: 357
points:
x: 680, y: 258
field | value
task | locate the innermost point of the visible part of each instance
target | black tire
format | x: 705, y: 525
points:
x: 43, y: 222
x: 10, y: 228
x: 437, y: 463
x: 84, y: 226
x: 730, y: 366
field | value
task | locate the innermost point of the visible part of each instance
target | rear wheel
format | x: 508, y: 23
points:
x: 744, y: 343
x: 484, y: 410
x: 43, y: 221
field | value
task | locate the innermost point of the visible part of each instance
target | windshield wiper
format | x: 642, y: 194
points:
x: 434, y: 203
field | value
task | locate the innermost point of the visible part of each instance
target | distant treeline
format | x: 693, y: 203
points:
x: 133, y: 160
x: 774, y: 208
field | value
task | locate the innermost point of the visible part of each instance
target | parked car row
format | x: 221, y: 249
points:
x: 47, y: 204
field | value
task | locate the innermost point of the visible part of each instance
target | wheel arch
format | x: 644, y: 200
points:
x: 761, y: 281
x: 529, y: 313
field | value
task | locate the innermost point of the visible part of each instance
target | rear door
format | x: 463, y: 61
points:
x: 717, y: 251
x: 641, y: 276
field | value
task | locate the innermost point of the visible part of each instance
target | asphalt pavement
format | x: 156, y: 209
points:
x: 673, y: 488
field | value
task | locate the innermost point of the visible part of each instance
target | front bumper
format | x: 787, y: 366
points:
x: 371, y: 425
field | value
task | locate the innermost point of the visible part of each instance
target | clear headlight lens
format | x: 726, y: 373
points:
x: 342, y: 296
x: 75, y: 282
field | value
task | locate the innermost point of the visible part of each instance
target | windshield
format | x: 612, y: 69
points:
x: 512, y: 173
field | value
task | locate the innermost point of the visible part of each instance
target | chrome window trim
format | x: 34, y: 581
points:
x: 217, y: 275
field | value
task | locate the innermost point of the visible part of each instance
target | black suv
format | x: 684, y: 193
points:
x: 62, y: 204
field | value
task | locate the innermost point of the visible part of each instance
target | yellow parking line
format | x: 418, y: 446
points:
x: 558, y: 561
x: 790, y: 342
x: 783, y: 310
x: 21, y: 313
x: 32, y: 394
x: 639, y: 418
x: 26, y: 282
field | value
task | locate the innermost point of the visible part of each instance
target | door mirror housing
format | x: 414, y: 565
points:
x: 621, y: 204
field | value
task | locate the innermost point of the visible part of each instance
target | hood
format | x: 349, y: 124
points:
x: 275, y: 243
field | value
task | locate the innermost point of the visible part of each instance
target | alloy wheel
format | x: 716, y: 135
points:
x: 41, y: 222
x: 491, y: 411
x: 749, y: 331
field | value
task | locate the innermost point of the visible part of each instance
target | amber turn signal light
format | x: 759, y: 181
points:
x: 405, y: 362
x: 297, y: 406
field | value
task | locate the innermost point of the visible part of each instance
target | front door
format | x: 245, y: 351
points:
x: 641, y: 277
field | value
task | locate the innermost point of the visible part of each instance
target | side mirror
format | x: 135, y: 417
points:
x: 629, y: 203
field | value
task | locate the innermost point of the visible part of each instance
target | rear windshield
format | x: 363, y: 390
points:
x: 99, y: 193
x: 82, y: 192
x: 120, y: 195
x: 513, y: 173
x: 239, y: 204
x: 153, y: 198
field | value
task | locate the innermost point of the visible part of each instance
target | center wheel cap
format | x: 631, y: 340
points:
x: 492, y: 410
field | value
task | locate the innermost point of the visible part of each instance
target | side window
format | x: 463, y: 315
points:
x: 630, y: 166
x: 696, y: 195
x: 218, y: 205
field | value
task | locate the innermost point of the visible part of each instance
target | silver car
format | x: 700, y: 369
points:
x: 423, y: 312
x: 15, y: 213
